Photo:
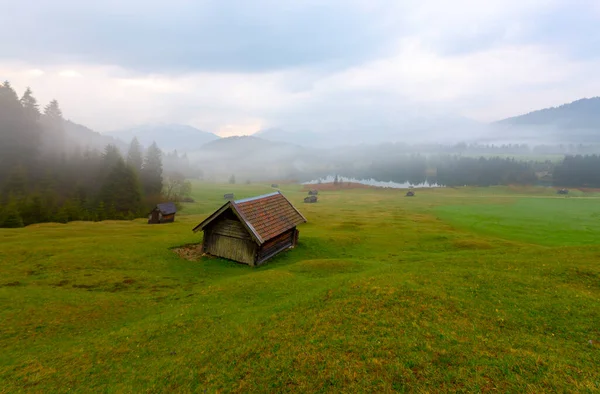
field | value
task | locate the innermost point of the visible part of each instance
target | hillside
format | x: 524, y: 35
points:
x: 580, y: 114
x: 85, y: 137
x: 168, y: 136
x: 409, y: 128
x: 576, y: 122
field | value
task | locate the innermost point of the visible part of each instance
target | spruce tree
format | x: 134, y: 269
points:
x: 16, y: 183
x: 135, y: 157
x: 10, y: 217
x: 12, y: 130
x: 110, y: 158
x: 120, y: 192
x: 54, y: 128
x: 151, y: 174
x: 30, y: 105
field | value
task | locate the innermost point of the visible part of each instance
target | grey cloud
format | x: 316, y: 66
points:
x: 194, y: 36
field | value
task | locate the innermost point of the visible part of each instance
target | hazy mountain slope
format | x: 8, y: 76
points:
x: 576, y: 122
x: 414, y: 129
x: 168, y: 136
x: 82, y: 136
x: 580, y: 114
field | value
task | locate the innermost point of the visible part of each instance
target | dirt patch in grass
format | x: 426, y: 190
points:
x: 191, y: 252
x: 12, y: 284
x: 339, y: 186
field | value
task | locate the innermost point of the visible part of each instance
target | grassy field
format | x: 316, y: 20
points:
x: 453, y: 290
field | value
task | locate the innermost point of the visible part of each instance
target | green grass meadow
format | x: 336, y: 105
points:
x: 453, y: 290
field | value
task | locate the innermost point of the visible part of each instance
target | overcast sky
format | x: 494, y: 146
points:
x: 234, y: 67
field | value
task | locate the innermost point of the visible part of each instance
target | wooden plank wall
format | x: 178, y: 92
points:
x: 231, y: 228
x: 273, y: 245
x: 228, y: 238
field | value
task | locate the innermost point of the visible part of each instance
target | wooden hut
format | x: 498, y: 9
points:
x: 162, y: 213
x: 562, y: 191
x: 310, y: 199
x: 313, y: 192
x: 228, y: 196
x: 251, y: 230
x: 410, y: 193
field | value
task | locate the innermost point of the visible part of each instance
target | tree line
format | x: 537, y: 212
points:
x: 43, y: 180
x: 457, y: 170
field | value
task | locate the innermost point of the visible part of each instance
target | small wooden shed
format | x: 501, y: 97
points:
x: 251, y: 230
x: 162, y: 213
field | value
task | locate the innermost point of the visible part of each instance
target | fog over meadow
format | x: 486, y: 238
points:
x: 322, y: 87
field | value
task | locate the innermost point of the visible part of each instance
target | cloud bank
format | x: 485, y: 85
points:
x: 236, y: 67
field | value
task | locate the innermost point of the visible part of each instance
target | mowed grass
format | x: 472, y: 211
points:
x: 383, y: 293
x: 547, y: 221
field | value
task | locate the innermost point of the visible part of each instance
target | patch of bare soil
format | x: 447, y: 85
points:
x: 339, y: 186
x: 190, y: 252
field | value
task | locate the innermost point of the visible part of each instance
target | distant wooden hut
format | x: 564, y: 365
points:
x: 313, y: 192
x: 310, y: 199
x: 410, y: 193
x: 228, y: 196
x: 251, y: 230
x: 162, y: 213
x: 274, y: 185
x: 562, y: 191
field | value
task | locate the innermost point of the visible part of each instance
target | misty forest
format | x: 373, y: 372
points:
x: 52, y: 171
x: 50, y: 176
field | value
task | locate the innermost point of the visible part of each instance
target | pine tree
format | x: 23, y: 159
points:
x: 135, y: 157
x: 110, y: 158
x: 121, y: 191
x: 16, y: 183
x: 30, y: 105
x: 10, y: 216
x: 54, y: 128
x: 12, y: 130
x: 151, y: 174
x: 53, y: 112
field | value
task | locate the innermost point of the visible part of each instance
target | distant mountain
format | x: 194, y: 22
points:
x: 84, y: 137
x: 416, y: 129
x: 576, y: 122
x: 168, y: 136
x: 306, y: 138
x: 584, y: 113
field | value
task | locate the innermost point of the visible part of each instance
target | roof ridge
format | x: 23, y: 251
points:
x: 243, y: 200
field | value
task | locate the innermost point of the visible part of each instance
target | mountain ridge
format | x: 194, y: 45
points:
x: 168, y: 136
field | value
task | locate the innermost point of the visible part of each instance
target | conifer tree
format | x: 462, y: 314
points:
x: 135, y: 157
x: 30, y: 105
x: 10, y: 216
x: 151, y: 174
x: 121, y: 191
x: 54, y: 129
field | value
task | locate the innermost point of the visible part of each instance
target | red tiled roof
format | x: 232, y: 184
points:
x: 269, y: 215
